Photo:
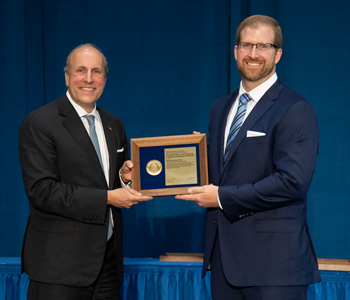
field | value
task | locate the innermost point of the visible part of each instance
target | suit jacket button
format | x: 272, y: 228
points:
x: 214, y: 221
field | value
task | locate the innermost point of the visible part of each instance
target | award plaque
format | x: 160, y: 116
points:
x: 169, y: 165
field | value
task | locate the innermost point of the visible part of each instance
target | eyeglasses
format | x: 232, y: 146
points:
x: 260, y: 47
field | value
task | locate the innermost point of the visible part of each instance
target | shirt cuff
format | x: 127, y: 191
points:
x: 219, y: 201
x: 124, y: 185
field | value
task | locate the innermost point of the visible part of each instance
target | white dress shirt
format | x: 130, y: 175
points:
x: 99, y: 131
x: 100, y: 136
x: 256, y: 94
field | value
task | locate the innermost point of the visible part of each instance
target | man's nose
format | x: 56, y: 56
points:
x: 88, y: 77
x: 254, y: 52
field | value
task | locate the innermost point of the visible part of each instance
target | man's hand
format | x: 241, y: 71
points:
x: 125, y: 171
x: 125, y: 197
x: 205, y: 196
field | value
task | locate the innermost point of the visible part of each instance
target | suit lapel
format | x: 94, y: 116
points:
x: 76, y: 128
x: 222, y: 126
x: 258, y: 111
x: 111, y: 145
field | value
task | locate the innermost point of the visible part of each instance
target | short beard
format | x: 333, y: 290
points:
x: 253, y: 76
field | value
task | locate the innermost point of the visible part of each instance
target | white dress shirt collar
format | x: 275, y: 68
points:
x: 260, y: 90
x: 81, y: 111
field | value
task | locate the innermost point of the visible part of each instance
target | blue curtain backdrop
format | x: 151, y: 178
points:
x: 169, y: 61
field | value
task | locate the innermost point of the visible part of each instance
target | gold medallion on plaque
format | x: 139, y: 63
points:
x: 154, y: 167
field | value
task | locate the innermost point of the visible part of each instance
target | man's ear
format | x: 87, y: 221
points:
x: 235, y: 52
x: 278, y: 55
x: 66, y: 77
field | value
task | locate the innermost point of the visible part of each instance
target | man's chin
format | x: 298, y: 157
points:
x: 252, y: 77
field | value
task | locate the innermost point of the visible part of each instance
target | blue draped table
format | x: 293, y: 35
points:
x: 151, y: 279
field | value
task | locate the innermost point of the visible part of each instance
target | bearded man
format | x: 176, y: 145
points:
x: 262, y: 152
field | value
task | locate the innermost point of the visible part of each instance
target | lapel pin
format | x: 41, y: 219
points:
x: 110, y: 128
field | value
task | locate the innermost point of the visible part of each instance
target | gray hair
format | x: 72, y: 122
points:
x: 69, y: 57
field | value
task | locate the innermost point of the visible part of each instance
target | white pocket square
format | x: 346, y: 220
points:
x: 120, y: 150
x: 255, y: 133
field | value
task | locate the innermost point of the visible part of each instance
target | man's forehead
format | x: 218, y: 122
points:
x: 87, y: 51
x: 87, y: 55
x: 262, y: 31
x: 258, y: 27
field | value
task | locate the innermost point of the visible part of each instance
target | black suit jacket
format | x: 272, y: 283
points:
x: 262, y: 229
x: 66, y: 235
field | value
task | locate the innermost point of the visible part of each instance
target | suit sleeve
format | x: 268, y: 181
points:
x: 292, y: 164
x: 47, y: 191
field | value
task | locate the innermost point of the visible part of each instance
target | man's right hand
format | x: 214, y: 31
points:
x: 125, y: 197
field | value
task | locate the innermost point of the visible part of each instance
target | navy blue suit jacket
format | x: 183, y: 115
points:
x: 263, y: 184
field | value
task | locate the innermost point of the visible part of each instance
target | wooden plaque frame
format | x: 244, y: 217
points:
x: 164, y: 141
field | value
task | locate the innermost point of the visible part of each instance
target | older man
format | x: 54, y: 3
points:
x: 73, y: 156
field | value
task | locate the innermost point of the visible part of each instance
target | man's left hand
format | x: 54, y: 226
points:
x: 125, y: 171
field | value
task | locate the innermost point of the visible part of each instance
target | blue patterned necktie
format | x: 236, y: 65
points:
x: 94, y: 140
x: 237, y: 121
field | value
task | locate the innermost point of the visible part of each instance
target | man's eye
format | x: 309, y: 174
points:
x: 263, y: 46
x: 246, y: 45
